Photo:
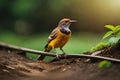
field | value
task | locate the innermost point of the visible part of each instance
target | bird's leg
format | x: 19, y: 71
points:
x: 57, y: 55
x: 64, y: 54
x: 62, y: 51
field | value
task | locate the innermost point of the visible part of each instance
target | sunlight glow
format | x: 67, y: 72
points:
x: 115, y: 3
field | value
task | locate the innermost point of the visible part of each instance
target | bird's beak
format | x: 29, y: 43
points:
x: 73, y: 21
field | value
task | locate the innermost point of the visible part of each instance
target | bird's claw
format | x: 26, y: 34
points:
x: 58, y: 56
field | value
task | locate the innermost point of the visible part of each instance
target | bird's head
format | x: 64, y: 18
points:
x: 66, y: 22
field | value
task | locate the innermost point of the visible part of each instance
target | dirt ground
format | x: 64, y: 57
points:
x: 16, y: 67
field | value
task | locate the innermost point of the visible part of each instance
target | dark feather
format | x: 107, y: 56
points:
x: 52, y: 36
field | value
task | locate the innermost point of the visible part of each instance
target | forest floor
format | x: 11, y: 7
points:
x: 17, y: 67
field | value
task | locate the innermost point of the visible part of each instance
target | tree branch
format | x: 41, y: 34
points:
x: 12, y: 47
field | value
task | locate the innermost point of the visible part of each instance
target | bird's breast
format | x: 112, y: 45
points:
x: 65, y: 30
x: 64, y: 36
x: 60, y: 40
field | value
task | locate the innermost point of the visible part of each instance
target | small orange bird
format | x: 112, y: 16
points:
x: 59, y: 36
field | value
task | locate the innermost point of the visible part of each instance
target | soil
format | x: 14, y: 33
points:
x: 17, y: 67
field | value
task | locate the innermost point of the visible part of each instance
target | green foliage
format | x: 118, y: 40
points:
x: 114, y: 30
x: 111, y: 27
x: 114, y: 40
x: 109, y: 33
x: 100, y: 46
x: 104, y: 64
x: 114, y: 34
x: 114, y: 37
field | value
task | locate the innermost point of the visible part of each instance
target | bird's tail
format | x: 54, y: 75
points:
x: 47, y: 49
x: 41, y: 57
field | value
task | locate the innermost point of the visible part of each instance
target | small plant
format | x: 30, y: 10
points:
x: 100, y: 45
x: 104, y: 64
x: 114, y: 34
x: 114, y: 37
x: 114, y: 30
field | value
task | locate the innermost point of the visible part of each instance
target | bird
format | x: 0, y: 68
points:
x: 59, y: 36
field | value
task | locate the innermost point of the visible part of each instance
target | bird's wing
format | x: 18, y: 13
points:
x: 52, y: 36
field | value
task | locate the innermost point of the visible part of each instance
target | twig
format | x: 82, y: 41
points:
x: 53, y: 55
x: 97, y: 52
x: 13, y: 47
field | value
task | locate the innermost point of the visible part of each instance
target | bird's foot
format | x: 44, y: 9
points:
x: 58, y: 56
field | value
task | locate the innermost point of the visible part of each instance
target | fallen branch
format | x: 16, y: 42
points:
x: 12, y: 47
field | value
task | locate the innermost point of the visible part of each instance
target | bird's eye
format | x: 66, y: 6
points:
x: 66, y: 21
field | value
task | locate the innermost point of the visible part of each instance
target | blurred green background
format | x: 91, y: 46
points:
x: 28, y: 23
